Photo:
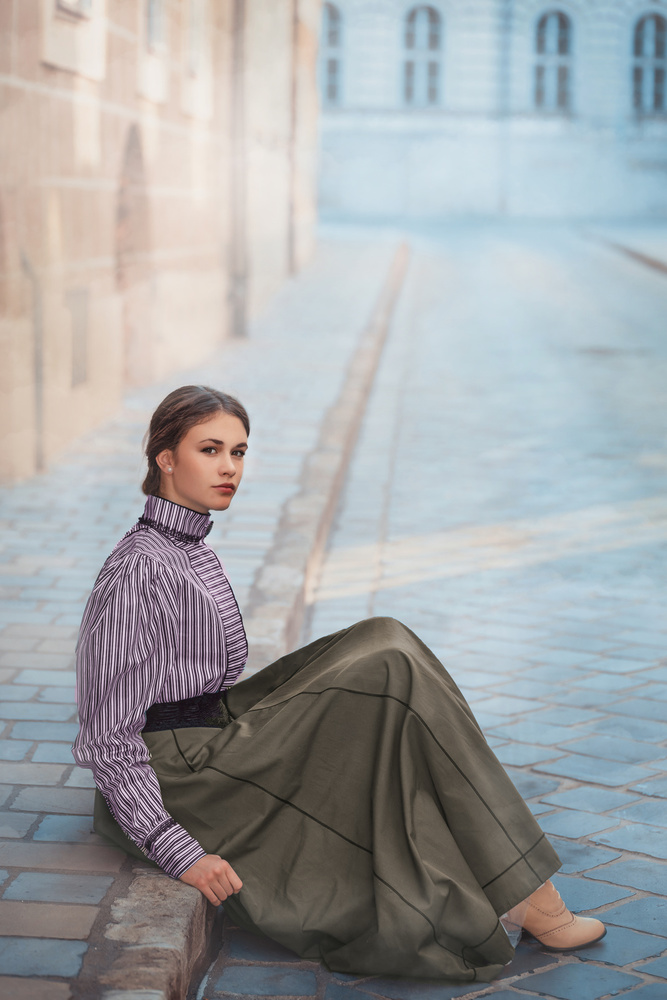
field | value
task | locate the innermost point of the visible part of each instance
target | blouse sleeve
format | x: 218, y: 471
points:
x: 122, y: 658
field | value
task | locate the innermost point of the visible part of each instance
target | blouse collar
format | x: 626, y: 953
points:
x: 175, y: 521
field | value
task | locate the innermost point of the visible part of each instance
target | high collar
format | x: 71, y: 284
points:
x: 175, y: 521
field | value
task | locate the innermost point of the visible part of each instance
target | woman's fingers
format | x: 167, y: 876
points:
x: 213, y: 876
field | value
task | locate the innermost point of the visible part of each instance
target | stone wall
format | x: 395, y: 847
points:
x: 484, y: 148
x: 158, y: 184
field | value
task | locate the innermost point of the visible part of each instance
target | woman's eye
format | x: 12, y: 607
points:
x: 209, y: 450
x: 239, y: 454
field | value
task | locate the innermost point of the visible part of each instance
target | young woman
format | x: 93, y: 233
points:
x: 343, y: 800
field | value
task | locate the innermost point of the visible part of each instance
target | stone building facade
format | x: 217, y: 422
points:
x: 536, y: 108
x: 157, y: 171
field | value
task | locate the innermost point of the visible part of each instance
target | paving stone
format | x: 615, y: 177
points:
x: 247, y: 947
x: 641, y: 708
x: 35, y: 660
x: 580, y: 857
x: 657, y: 787
x: 599, y: 772
x: 652, y: 811
x: 652, y: 991
x: 72, y: 857
x: 49, y: 888
x: 14, y: 749
x: 566, y: 716
x: 67, y: 829
x: 658, y: 967
x: 578, y: 981
x: 58, y: 695
x: 581, y: 698
x: 604, y: 683
x: 636, y: 837
x: 632, y: 728
x: 609, y: 664
x: 57, y: 753
x: 505, y: 705
x: 528, y: 730
x: 412, y: 989
x: 12, y: 988
x: 55, y: 800
x: 648, y: 875
x: 265, y: 981
x: 64, y: 678
x: 590, y: 799
x: 50, y: 920
x: 622, y: 946
x: 648, y: 915
x: 16, y: 692
x: 528, y: 957
x: 15, y: 824
x: 521, y: 754
x: 64, y: 731
x: 35, y: 710
x: 529, y: 785
x: 334, y: 991
x: 27, y: 773
x: 580, y: 894
x: 576, y: 824
x: 80, y: 778
x: 626, y: 751
x: 33, y: 956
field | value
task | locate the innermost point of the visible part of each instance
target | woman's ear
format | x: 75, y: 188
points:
x: 165, y: 462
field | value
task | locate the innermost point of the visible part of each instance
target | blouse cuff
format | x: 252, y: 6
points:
x: 173, y: 849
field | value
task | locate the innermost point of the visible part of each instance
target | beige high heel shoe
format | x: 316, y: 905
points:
x: 548, y: 919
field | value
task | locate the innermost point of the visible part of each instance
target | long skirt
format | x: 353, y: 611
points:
x: 357, y: 799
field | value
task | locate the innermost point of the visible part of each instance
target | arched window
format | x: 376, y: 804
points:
x: 553, y: 68
x: 650, y: 63
x: 331, y: 59
x: 422, y: 83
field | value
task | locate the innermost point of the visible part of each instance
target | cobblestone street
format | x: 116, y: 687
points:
x: 506, y: 499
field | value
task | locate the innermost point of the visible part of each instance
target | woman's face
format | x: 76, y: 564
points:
x: 205, y: 470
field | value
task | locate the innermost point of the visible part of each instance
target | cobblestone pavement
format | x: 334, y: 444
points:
x: 507, y: 500
x: 58, y: 880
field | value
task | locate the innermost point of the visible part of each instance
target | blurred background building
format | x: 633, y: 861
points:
x: 159, y: 162
x: 492, y: 107
x: 158, y: 184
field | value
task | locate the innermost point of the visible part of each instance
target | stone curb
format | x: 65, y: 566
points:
x: 163, y: 928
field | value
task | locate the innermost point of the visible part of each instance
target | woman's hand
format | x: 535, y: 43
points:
x: 214, y: 877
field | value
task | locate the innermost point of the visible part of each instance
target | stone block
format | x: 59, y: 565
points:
x: 65, y: 731
x: 48, y: 920
x: 581, y: 857
x: 599, y: 772
x: 35, y: 660
x: 53, y: 753
x: 621, y: 946
x: 13, y: 988
x: 33, y: 710
x: 412, y: 989
x: 67, y: 829
x: 529, y: 730
x: 27, y: 773
x: 33, y: 956
x: 638, y: 838
x: 16, y: 692
x: 15, y: 824
x: 578, y: 981
x: 658, y: 967
x: 652, y: 811
x: 266, y: 981
x: 55, y: 800
x: 576, y: 824
x: 80, y: 778
x: 56, y: 677
x: 580, y: 894
x: 652, y: 991
x: 641, y: 708
x: 566, y: 716
x: 246, y: 947
x: 595, y: 800
x: 648, y: 915
x: 530, y: 785
x: 76, y: 857
x: 617, y: 748
x: 631, y: 728
x: 60, y: 695
x: 648, y: 875
x: 14, y: 749
x: 49, y: 888
x: 521, y: 754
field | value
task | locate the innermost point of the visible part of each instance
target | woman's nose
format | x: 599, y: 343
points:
x: 226, y: 465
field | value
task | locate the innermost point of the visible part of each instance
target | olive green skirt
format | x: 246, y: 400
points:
x: 357, y: 799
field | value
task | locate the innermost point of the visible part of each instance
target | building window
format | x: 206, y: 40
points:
x: 77, y: 303
x: 553, y: 70
x: 332, y: 41
x: 650, y: 64
x: 196, y: 36
x: 155, y: 27
x: 421, y: 68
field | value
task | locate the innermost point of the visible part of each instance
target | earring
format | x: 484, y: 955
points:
x: 168, y: 468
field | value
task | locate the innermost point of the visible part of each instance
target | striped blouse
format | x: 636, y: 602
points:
x: 161, y: 624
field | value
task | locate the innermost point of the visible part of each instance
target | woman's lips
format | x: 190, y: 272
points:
x: 227, y: 488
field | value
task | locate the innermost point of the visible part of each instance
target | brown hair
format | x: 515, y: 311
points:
x: 176, y: 414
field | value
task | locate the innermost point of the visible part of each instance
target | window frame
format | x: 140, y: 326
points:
x: 655, y: 64
x: 331, y: 57
x: 422, y: 76
x: 552, y: 72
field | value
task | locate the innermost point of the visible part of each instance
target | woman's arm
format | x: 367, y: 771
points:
x: 123, y: 653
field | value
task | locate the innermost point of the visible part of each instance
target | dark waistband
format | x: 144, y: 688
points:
x: 205, y: 710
